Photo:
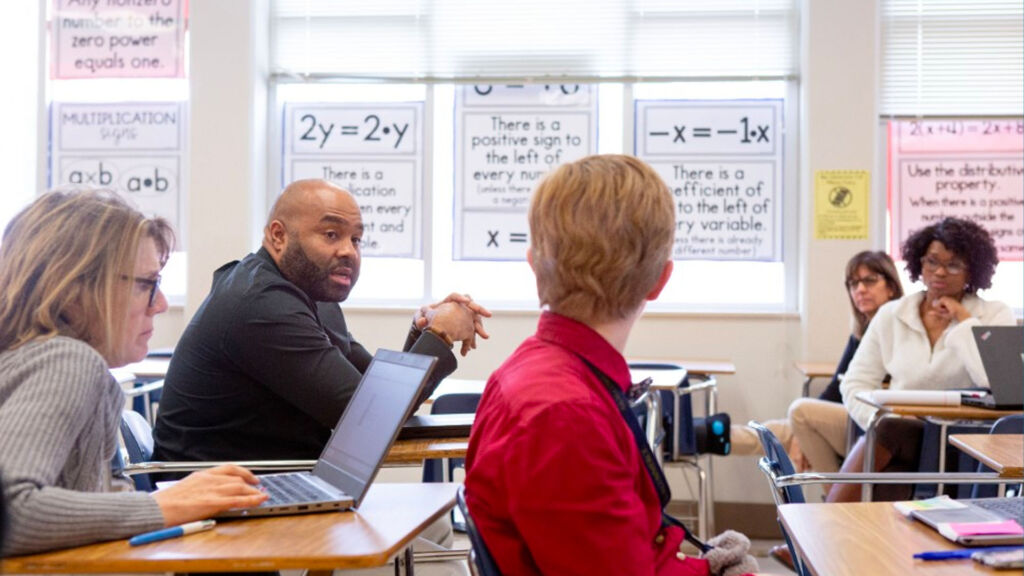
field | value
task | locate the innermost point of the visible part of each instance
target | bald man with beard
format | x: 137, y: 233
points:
x: 267, y: 365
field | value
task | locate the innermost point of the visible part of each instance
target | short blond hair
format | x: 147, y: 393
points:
x: 63, y: 265
x: 601, y: 231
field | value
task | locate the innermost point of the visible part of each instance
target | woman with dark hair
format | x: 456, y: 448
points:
x: 814, y: 434
x: 924, y: 341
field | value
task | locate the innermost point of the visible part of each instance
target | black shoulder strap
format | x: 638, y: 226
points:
x: 650, y: 463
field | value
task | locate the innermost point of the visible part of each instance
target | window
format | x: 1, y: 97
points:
x: 19, y: 35
x: 721, y: 285
x: 952, y: 91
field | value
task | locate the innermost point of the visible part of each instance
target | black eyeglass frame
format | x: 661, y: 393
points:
x: 152, y: 283
x: 868, y: 281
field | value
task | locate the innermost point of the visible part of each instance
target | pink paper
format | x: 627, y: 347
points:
x: 977, y: 528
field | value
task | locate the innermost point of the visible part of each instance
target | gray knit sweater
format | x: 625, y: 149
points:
x: 59, y: 413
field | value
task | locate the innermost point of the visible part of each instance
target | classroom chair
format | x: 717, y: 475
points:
x: 785, y: 482
x: 677, y: 436
x: 1006, y: 425
x: 456, y: 403
x: 142, y: 395
x: 137, y: 442
x: 481, y: 563
x: 938, y: 456
x: 137, y: 439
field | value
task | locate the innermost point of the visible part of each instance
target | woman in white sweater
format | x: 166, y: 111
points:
x: 79, y: 287
x: 923, y: 340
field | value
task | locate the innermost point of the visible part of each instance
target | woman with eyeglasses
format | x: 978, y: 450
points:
x: 923, y: 341
x: 79, y: 287
x: 814, y: 433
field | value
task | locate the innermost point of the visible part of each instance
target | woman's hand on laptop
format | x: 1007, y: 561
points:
x: 203, y: 494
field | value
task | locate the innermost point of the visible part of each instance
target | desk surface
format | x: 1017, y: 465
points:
x: 1003, y: 453
x: 693, y: 367
x: 390, y: 517
x: 696, y: 367
x: 149, y: 368
x: 816, y: 369
x: 944, y: 412
x: 868, y: 538
x: 416, y: 451
x: 457, y: 386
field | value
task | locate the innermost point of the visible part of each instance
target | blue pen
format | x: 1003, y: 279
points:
x: 962, y: 553
x: 173, y: 532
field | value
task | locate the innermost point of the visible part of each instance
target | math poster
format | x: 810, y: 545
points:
x: 722, y: 161
x: 134, y: 148
x: 966, y: 168
x: 841, y: 204
x: 507, y: 137
x: 117, y: 39
x: 373, y: 150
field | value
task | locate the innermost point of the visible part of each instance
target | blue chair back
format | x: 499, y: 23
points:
x: 138, y: 443
x: 781, y: 465
x: 480, y: 558
x: 779, y: 461
x: 687, y: 439
x: 459, y: 403
x: 1013, y: 424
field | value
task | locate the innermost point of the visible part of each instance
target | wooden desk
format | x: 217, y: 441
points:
x: 867, y: 538
x: 942, y: 415
x: 416, y: 451
x: 699, y: 368
x: 149, y: 368
x: 813, y: 370
x: 390, y: 517
x: 695, y: 367
x: 1003, y: 453
x: 457, y: 386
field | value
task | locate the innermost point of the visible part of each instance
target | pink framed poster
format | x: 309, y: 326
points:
x: 118, y: 39
x: 967, y: 168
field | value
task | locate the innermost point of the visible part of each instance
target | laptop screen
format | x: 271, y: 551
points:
x: 364, y: 434
x: 1002, y: 354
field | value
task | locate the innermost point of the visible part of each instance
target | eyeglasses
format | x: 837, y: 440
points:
x: 952, y: 268
x: 867, y: 281
x: 152, y: 284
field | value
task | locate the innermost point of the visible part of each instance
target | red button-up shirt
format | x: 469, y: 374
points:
x: 554, y: 480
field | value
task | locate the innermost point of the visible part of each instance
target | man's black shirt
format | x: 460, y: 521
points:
x: 263, y: 372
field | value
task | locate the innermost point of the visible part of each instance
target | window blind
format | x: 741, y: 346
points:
x: 444, y: 40
x: 951, y: 57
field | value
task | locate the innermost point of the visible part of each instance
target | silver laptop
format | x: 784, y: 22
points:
x: 384, y: 399
x: 976, y: 510
x: 1002, y: 355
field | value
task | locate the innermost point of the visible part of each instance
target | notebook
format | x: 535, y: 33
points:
x: 978, y: 522
x: 1002, y: 355
x: 384, y: 399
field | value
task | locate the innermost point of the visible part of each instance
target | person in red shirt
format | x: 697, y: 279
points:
x: 555, y: 480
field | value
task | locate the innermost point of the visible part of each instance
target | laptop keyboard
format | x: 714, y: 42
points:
x: 290, y: 489
x: 1010, y: 508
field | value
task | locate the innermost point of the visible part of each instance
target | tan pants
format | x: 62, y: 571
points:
x: 746, y: 443
x: 820, y: 428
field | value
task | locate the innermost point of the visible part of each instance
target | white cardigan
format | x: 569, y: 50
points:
x: 896, y: 343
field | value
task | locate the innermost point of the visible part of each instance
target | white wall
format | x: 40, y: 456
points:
x: 837, y: 131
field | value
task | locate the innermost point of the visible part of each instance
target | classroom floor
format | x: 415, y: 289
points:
x: 759, y: 549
